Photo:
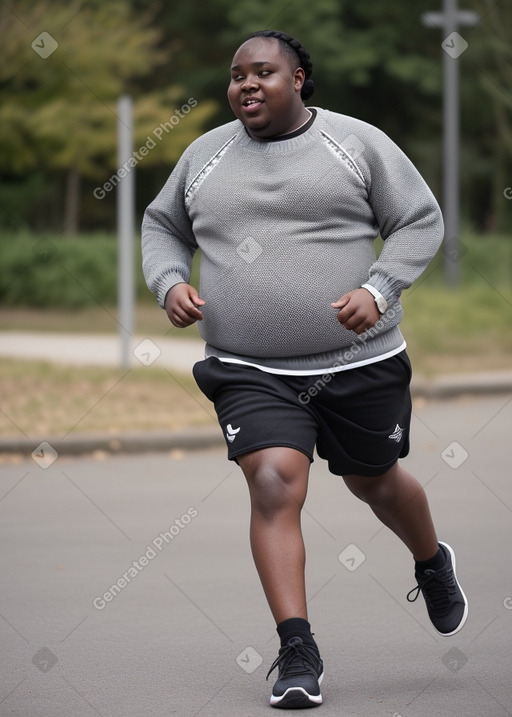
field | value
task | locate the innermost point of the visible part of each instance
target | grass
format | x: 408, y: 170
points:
x: 149, y: 320
x: 41, y: 399
x: 468, y: 328
x: 446, y: 330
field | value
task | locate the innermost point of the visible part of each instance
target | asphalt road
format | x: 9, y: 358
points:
x: 128, y: 588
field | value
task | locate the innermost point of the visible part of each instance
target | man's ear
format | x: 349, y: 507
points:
x: 299, y: 77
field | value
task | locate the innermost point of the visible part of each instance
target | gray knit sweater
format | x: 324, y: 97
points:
x: 285, y: 228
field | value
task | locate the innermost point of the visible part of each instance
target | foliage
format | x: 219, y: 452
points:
x: 373, y: 60
x: 55, y: 272
x: 60, y: 112
x: 55, y: 110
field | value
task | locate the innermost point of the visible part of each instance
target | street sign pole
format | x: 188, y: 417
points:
x: 453, y: 46
x: 125, y: 228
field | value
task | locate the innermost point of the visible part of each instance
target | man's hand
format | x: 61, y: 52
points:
x: 358, y: 311
x: 181, y: 305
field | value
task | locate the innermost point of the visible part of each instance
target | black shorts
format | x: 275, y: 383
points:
x: 358, y: 419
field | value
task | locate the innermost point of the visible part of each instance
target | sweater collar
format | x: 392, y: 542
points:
x: 295, y: 133
x: 282, y: 144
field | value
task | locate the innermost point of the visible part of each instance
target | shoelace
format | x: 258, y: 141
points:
x: 438, y: 587
x: 296, y: 659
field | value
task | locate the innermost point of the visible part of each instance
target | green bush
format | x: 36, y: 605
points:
x: 46, y: 272
x: 483, y: 259
x: 73, y: 273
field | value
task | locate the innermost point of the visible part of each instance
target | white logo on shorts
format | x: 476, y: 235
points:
x: 231, y: 433
x: 397, y: 434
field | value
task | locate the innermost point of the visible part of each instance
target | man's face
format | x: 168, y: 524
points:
x: 264, y: 92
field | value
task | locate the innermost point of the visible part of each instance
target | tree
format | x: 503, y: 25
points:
x: 58, y: 110
x: 372, y: 60
x: 490, y: 59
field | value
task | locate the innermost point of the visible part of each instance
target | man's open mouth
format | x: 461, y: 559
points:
x: 252, y: 103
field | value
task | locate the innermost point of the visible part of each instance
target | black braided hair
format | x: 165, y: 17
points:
x: 296, y: 51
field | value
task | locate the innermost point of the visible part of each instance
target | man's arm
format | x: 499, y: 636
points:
x: 407, y: 214
x: 409, y: 221
x: 168, y: 243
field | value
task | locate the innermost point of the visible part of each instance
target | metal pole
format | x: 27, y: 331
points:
x: 125, y: 227
x: 449, y: 20
x: 451, y: 149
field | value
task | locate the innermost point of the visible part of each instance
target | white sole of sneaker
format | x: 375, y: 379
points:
x: 297, y: 698
x: 465, y: 615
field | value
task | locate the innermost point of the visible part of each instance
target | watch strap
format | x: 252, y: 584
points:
x: 381, y: 302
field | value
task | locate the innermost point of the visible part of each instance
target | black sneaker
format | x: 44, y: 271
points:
x: 447, y: 605
x: 300, y: 673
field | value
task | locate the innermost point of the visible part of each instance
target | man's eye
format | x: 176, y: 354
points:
x: 237, y: 78
x: 264, y: 73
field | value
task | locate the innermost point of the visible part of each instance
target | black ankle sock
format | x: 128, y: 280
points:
x: 295, y: 627
x: 435, y: 563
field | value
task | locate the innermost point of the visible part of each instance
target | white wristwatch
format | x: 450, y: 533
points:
x: 381, y: 302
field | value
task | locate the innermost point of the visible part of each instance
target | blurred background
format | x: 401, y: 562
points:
x: 64, y: 66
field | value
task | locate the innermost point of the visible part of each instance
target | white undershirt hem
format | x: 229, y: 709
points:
x: 319, y: 371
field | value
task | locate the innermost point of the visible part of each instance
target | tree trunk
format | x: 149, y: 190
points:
x: 72, y: 202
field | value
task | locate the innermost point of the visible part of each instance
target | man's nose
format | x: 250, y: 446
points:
x: 250, y: 83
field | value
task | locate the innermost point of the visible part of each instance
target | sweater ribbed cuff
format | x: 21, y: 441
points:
x: 165, y: 283
x: 389, y: 288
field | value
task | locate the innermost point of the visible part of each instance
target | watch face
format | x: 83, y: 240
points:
x: 382, y: 305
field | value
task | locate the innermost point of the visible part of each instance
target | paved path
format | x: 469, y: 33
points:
x: 181, y: 354
x: 185, y: 630
x: 100, y: 350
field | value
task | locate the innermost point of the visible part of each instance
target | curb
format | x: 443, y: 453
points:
x: 442, y: 387
x: 457, y: 385
x: 136, y: 442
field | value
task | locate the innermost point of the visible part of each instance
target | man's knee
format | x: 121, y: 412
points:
x: 275, y: 484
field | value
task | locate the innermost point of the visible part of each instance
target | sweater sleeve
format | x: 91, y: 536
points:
x: 168, y: 243
x: 408, y: 217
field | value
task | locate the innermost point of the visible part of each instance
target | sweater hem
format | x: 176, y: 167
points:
x: 342, y: 359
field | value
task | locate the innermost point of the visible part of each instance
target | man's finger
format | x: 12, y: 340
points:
x: 341, y: 302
